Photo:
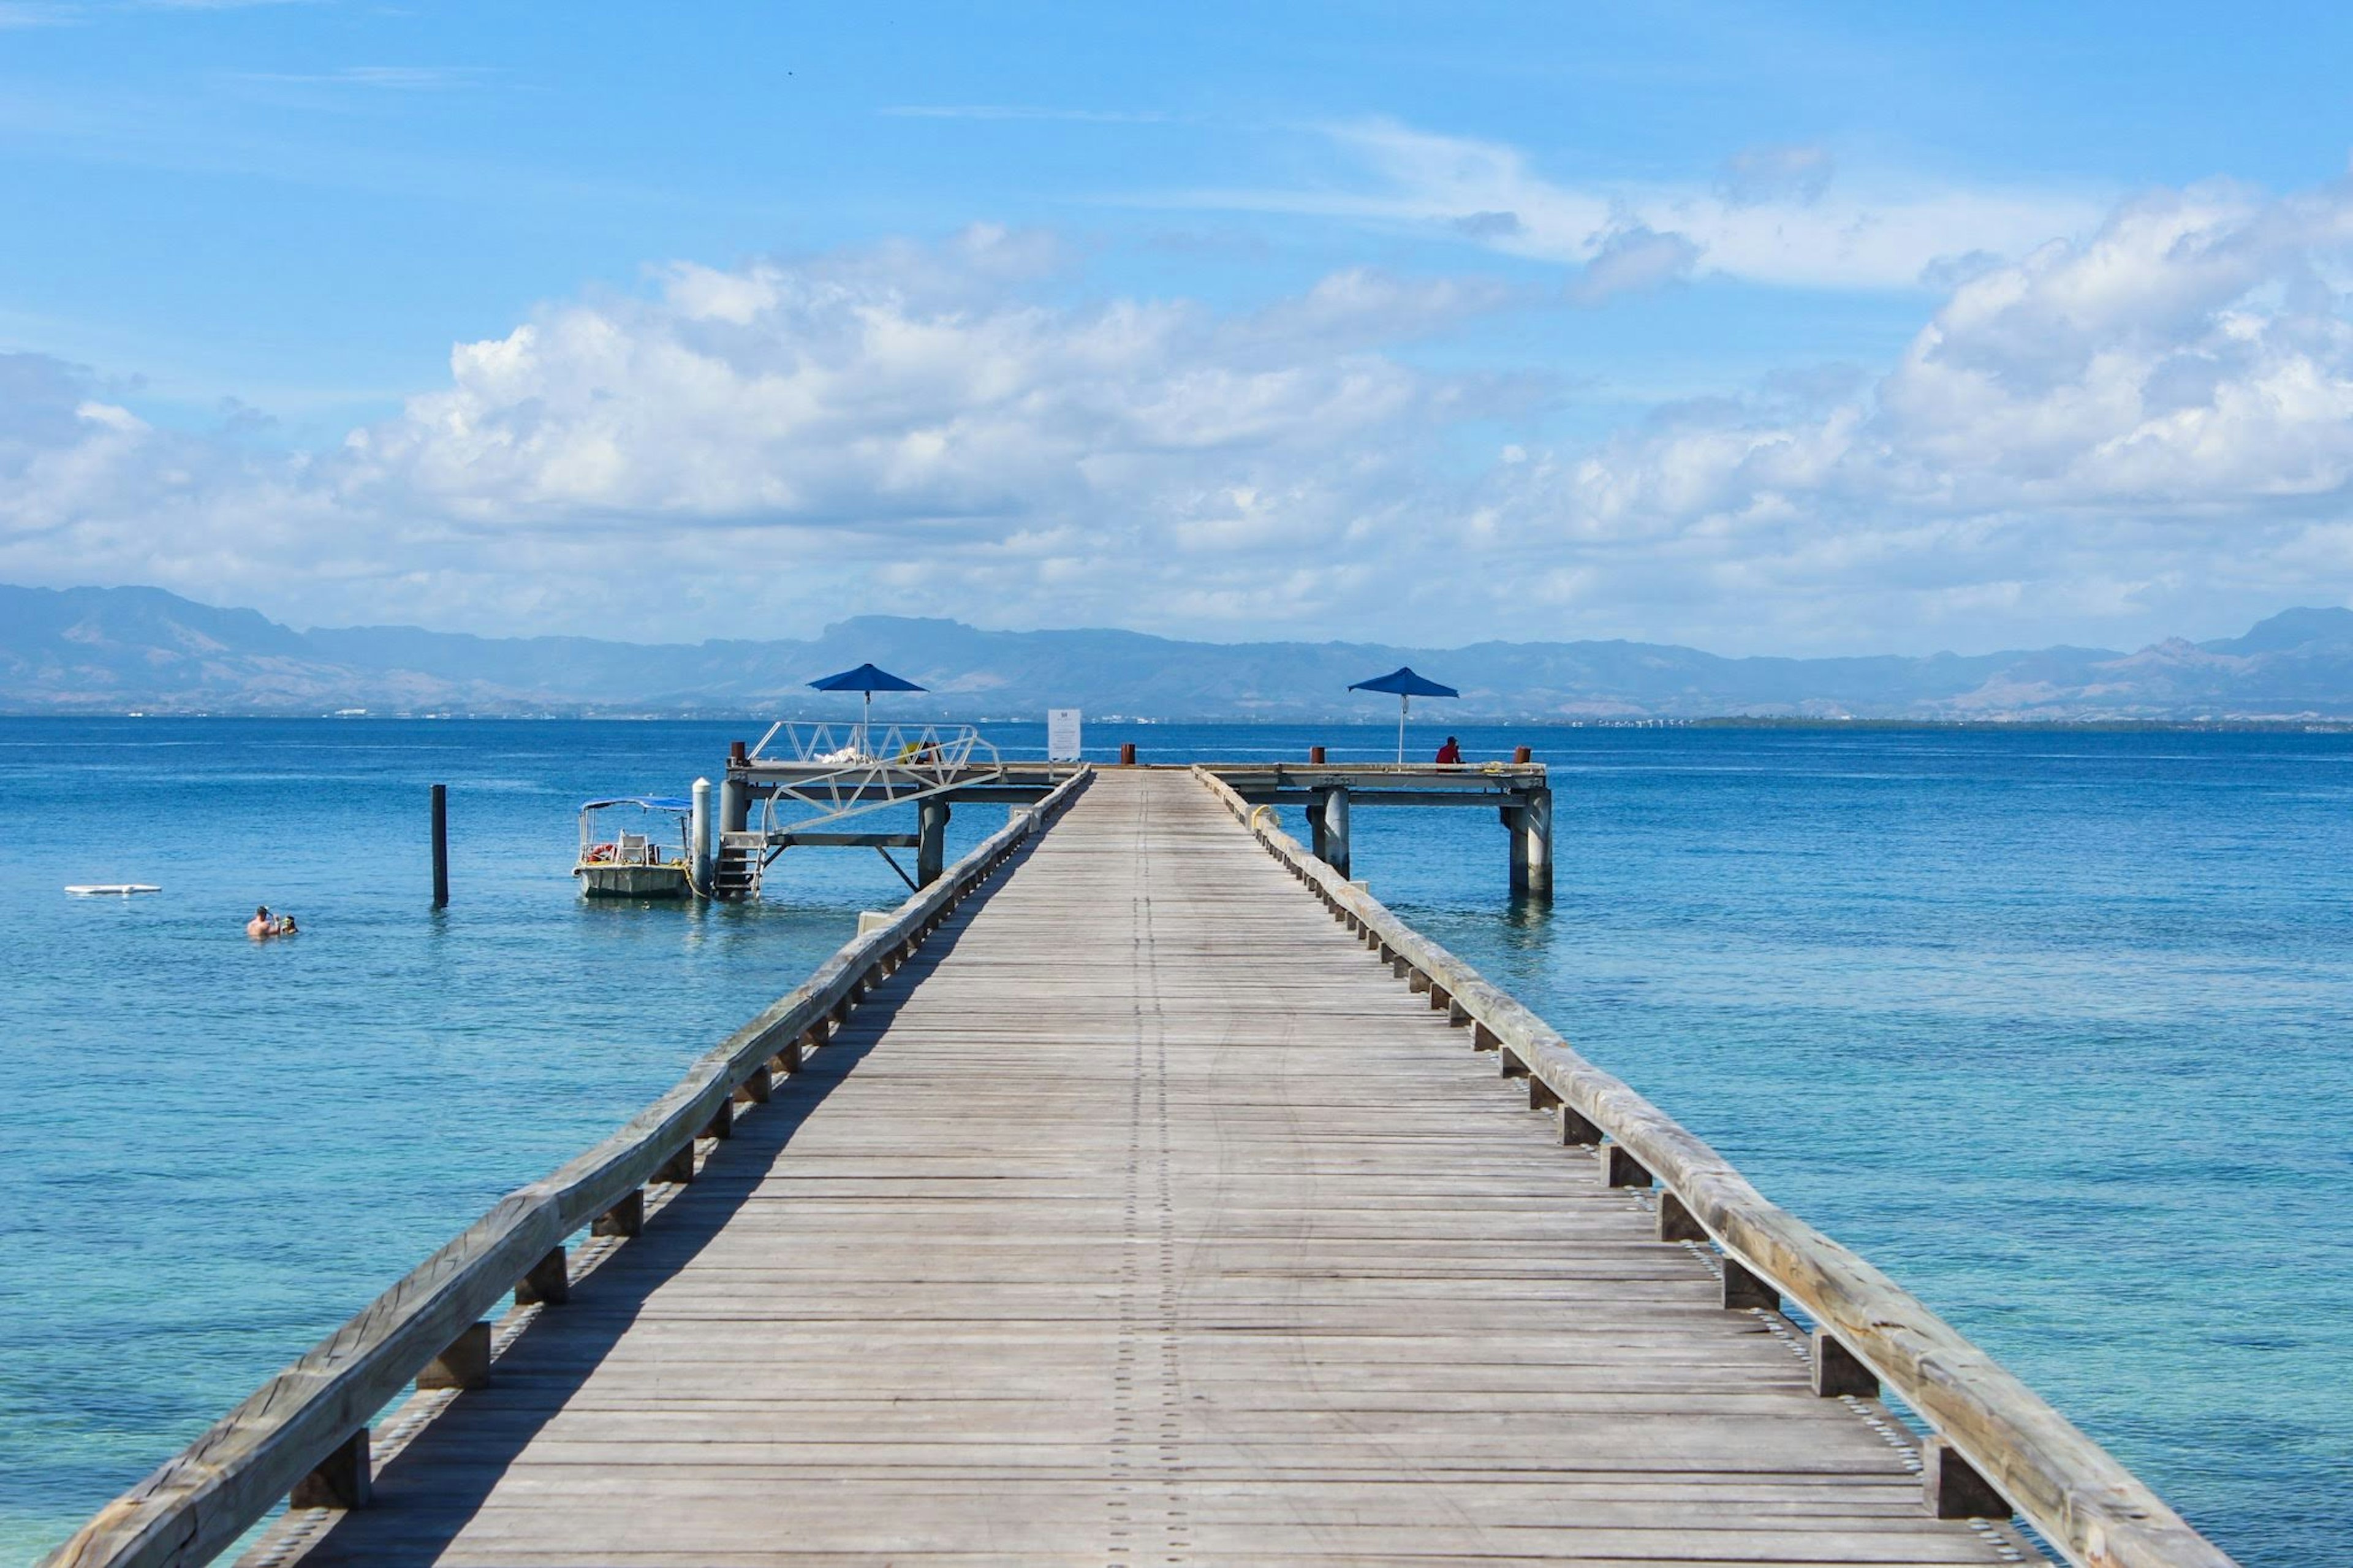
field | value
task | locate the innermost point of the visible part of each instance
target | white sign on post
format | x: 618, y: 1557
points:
x: 1061, y: 734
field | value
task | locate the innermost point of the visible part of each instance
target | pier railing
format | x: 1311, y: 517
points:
x: 1996, y: 1444
x: 304, y: 1433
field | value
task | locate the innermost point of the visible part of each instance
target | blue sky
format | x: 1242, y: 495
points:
x: 1789, y: 328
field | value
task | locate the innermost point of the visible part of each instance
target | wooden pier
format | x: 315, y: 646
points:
x: 1519, y: 792
x: 1144, y: 1193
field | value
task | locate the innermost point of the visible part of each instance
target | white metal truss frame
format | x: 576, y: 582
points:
x: 864, y: 770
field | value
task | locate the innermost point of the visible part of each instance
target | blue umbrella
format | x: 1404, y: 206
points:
x: 1408, y: 686
x: 867, y: 679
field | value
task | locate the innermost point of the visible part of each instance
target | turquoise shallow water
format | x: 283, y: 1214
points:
x: 2051, y: 1027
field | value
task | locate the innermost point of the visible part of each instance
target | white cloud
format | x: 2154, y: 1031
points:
x: 2107, y: 428
x: 1776, y: 219
x: 2135, y: 432
x: 1763, y: 171
x: 1630, y: 259
x: 905, y: 428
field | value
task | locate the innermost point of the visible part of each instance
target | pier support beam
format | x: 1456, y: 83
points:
x: 932, y: 843
x: 1529, y: 822
x: 734, y: 807
x: 1329, y: 819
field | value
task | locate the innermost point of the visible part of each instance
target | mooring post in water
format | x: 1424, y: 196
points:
x: 698, y: 834
x: 440, y: 846
x: 1529, y: 822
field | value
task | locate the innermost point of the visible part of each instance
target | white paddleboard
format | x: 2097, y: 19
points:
x: 97, y: 889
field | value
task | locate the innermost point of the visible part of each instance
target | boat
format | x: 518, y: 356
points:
x: 104, y: 889
x: 634, y: 865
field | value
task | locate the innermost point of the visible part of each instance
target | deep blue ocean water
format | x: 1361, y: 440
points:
x: 2051, y: 1027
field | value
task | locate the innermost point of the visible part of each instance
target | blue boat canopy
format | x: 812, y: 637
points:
x: 651, y: 801
x: 865, y: 677
x: 1403, y: 682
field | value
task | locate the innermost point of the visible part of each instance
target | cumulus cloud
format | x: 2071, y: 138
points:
x: 2116, y: 431
x: 905, y: 427
x: 2160, y: 410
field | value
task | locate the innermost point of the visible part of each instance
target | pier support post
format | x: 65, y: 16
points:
x: 734, y: 805
x: 698, y: 833
x: 1331, y: 824
x: 440, y: 846
x: 930, y: 841
x: 1530, y: 825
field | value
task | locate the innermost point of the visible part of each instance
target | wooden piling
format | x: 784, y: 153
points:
x: 440, y: 846
x: 931, y: 841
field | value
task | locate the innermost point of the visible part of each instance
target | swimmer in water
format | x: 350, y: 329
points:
x: 264, y: 923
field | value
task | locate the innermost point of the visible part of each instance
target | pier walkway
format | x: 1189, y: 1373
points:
x: 1142, y: 1218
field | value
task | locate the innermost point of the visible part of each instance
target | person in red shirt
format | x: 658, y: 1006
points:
x: 1449, y: 753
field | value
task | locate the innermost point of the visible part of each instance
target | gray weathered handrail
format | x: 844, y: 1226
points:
x: 201, y: 1500
x: 2068, y: 1487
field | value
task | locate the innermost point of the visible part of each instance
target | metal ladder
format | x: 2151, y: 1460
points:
x: 736, y: 875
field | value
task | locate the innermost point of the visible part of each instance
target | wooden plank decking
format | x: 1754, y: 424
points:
x: 1143, y: 1219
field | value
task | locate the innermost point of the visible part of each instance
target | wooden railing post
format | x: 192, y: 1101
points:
x: 343, y: 1480
x: 624, y: 1218
x: 465, y: 1365
x: 1747, y: 1290
x: 1620, y: 1169
x: 1675, y: 1222
x: 1838, y: 1373
x: 1953, y: 1487
x: 549, y: 1283
x: 757, y: 1087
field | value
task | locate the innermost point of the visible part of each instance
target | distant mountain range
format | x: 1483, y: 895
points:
x: 113, y: 650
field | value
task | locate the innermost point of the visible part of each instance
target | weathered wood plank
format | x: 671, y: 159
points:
x: 209, y: 1494
x: 2012, y: 1440
x: 1153, y: 1222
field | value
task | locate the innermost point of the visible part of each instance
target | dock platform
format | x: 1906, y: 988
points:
x: 1138, y: 1215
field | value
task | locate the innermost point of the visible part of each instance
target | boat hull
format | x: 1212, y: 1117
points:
x: 598, y: 881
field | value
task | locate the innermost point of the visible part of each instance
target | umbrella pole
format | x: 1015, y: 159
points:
x: 1405, y: 701
x: 865, y: 729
